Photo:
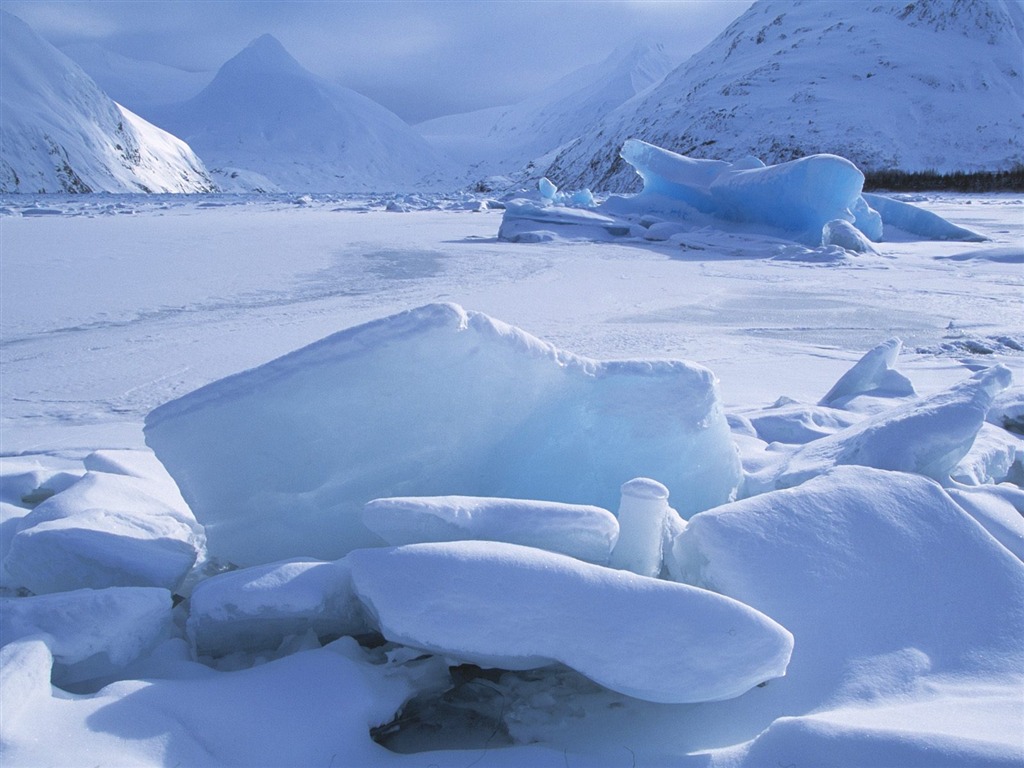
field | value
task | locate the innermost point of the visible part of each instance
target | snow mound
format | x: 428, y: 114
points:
x: 108, y: 529
x: 92, y: 634
x: 928, y: 436
x: 584, y: 532
x: 278, y: 462
x: 891, y: 591
x: 256, y: 609
x: 61, y: 133
x: 859, y: 531
x: 911, y: 220
x: 503, y: 605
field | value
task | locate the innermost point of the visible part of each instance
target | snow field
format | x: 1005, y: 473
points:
x: 903, y: 597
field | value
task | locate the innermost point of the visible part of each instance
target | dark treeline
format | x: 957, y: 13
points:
x: 929, y: 181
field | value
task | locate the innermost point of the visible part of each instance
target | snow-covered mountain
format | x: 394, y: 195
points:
x: 502, y: 139
x: 138, y: 85
x: 264, y: 113
x: 60, y: 133
x: 913, y: 86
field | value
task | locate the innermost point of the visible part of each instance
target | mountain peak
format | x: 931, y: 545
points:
x: 265, y: 54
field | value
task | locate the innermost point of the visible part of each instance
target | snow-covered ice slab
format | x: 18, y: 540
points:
x: 578, y: 530
x: 512, y: 607
x: 860, y: 563
x: 90, y: 633
x: 124, y: 525
x: 277, y: 462
x: 255, y: 609
x: 928, y: 436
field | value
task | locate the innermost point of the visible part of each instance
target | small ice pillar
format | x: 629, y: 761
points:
x: 643, y: 511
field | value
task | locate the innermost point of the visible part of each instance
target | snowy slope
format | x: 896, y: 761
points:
x: 61, y: 133
x: 139, y: 85
x: 502, y: 139
x: 927, y: 85
x: 264, y: 112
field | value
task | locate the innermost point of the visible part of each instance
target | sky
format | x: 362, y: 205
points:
x: 419, y: 58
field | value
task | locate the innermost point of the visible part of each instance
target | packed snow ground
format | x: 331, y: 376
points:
x: 905, y: 611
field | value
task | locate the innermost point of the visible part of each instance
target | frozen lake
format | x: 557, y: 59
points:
x: 111, y: 306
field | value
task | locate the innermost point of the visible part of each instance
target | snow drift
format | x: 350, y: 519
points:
x: 61, y: 133
x: 278, y: 462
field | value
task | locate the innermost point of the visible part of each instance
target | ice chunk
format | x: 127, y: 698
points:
x: 1008, y: 410
x: 874, y: 374
x: 513, y: 607
x: 92, y: 634
x: 106, y: 530
x: 860, y: 562
x: 25, y: 667
x: 917, y: 221
x: 844, y: 234
x: 577, y: 530
x: 999, y: 509
x: 278, y: 462
x: 522, y: 218
x: 994, y: 455
x: 547, y: 189
x: 800, y: 196
x: 927, y: 436
x: 255, y: 609
x: 643, y: 516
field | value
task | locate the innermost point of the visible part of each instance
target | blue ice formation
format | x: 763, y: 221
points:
x: 816, y: 200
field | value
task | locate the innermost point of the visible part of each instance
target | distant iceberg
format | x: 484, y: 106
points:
x: 815, y: 200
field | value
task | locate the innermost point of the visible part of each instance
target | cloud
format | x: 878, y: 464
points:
x: 420, y: 58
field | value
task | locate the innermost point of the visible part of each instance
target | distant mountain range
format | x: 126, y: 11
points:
x: 914, y: 86
x: 501, y: 140
x: 264, y: 112
x: 60, y: 133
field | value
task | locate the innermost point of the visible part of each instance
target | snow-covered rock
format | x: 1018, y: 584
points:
x: 61, y: 133
x: 264, y: 113
x: 928, y: 436
x: 279, y: 461
x: 91, y: 634
x: 883, y: 84
x: 513, y: 607
x: 256, y: 609
x: 108, y: 529
x: 584, y: 532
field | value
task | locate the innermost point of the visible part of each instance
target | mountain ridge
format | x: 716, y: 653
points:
x: 931, y: 85
x: 61, y: 133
